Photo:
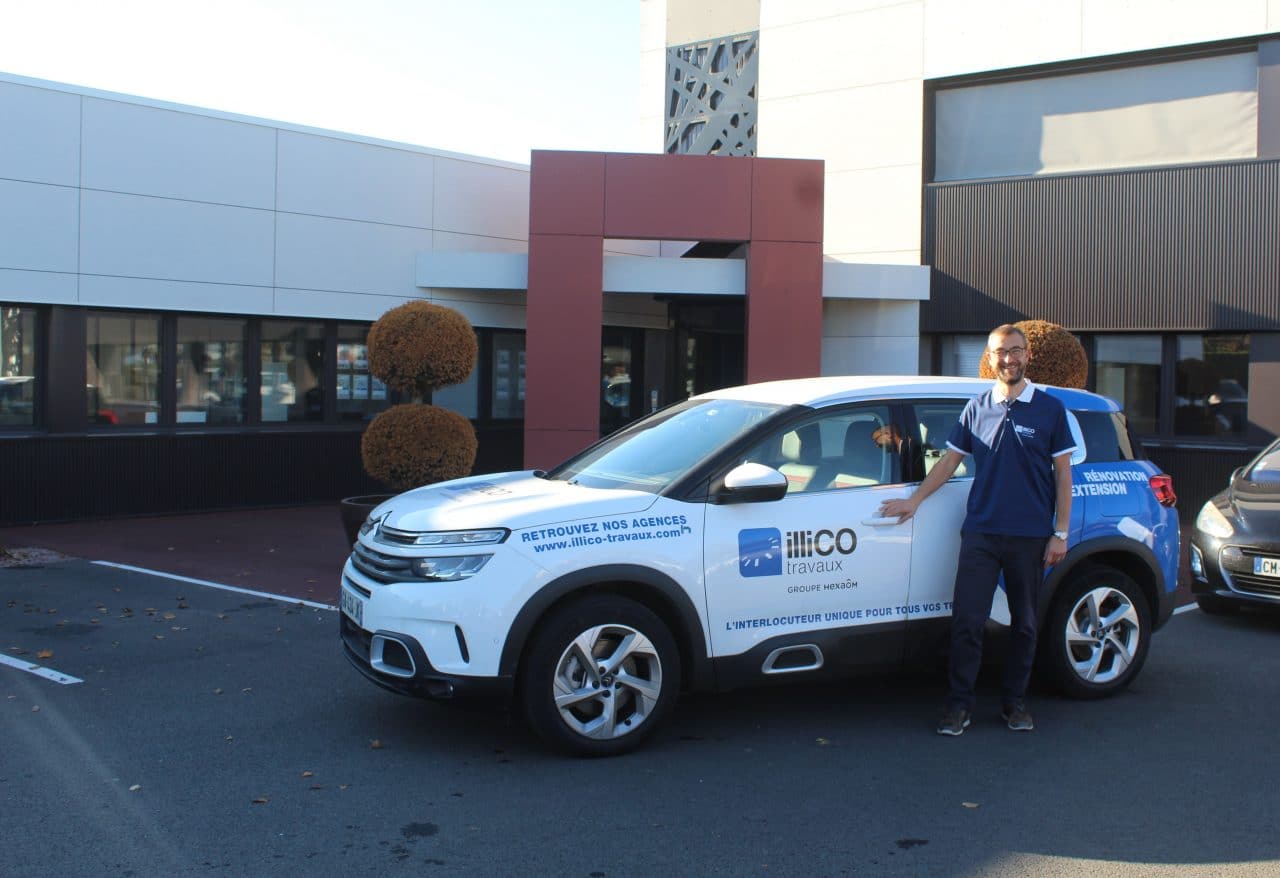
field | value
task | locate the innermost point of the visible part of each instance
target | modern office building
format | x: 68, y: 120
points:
x: 184, y: 293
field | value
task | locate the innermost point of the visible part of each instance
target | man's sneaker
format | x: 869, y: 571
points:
x: 954, y: 722
x: 1017, y: 716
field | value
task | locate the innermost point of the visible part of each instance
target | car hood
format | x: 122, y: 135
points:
x: 513, y: 500
x: 1257, y: 511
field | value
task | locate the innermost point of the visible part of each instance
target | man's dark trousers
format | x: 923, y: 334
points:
x: 982, y: 558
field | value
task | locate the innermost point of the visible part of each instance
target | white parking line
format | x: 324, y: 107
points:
x: 47, y: 673
x: 1186, y: 608
x: 258, y: 594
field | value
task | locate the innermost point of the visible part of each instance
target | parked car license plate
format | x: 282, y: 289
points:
x: 1267, y: 566
x: 352, y: 605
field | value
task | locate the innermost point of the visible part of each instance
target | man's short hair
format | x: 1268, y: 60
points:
x: 1008, y: 329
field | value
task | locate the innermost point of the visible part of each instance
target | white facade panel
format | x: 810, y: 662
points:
x: 774, y: 13
x: 868, y: 127
x: 481, y: 199
x: 316, y: 253
x: 495, y: 310
x: 43, y: 287
x: 868, y: 318
x: 38, y: 226
x: 151, y: 151
x: 969, y: 36
x: 138, y: 236
x: 880, y: 45
x: 1111, y: 26
x: 40, y: 135
x: 327, y: 304
x: 326, y: 176
x: 169, y: 295
x: 1273, y: 16
x: 482, y: 243
x: 895, y: 355
x: 879, y: 257
x: 872, y: 211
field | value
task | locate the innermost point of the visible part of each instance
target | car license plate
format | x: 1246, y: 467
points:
x: 352, y: 606
x: 1267, y: 567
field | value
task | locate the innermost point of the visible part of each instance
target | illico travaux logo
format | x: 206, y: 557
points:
x: 762, y: 551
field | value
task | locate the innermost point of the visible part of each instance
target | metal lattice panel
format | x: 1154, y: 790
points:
x: 711, y: 96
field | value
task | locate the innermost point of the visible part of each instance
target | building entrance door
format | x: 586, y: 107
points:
x: 710, y: 348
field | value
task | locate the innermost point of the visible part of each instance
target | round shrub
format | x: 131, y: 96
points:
x: 419, y: 347
x: 414, y: 444
x: 1057, y: 357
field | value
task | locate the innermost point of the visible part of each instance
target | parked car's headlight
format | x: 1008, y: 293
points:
x: 370, y: 523
x: 461, y: 537
x: 1213, y: 522
x: 449, y: 569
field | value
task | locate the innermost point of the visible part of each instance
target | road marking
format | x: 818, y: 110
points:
x: 47, y: 673
x: 257, y: 594
x: 1186, y: 608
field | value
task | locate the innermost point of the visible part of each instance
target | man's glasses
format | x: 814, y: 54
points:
x: 1007, y: 352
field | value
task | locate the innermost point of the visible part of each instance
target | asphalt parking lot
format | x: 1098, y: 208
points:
x: 217, y: 732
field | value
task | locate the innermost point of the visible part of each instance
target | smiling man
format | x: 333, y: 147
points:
x: 1016, y: 522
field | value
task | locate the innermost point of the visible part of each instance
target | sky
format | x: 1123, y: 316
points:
x: 487, y: 77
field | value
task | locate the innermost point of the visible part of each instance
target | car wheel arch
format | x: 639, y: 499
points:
x: 653, y: 589
x: 1134, y: 559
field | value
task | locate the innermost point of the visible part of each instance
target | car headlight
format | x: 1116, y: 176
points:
x: 370, y: 523
x: 1213, y: 522
x: 449, y: 569
x: 461, y: 537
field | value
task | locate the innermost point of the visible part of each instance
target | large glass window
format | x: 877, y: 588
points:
x: 210, y: 370
x: 463, y: 398
x: 1128, y: 371
x: 122, y: 368
x: 1212, y: 386
x: 616, y: 397
x: 507, y: 400
x: 360, y: 395
x: 293, y: 372
x: 17, y: 366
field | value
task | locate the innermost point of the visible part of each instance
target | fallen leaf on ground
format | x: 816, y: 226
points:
x: 822, y: 742
x: 308, y: 774
x: 970, y: 804
x: 344, y: 786
x: 35, y: 708
x: 159, y: 637
x: 375, y: 744
x: 135, y: 788
x: 168, y: 616
x: 261, y: 800
x: 217, y: 691
x: 45, y: 653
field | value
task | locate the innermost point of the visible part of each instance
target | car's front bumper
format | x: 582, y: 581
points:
x: 1215, y: 574
x: 397, y: 662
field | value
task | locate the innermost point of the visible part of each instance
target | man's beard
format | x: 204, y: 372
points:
x: 1011, y: 374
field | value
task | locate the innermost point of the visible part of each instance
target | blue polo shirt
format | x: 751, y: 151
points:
x: 1013, y: 443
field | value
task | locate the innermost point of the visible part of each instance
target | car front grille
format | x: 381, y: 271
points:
x: 396, y: 537
x: 379, y: 567
x: 1240, y: 576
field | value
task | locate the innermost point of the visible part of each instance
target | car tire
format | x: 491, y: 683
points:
x: 1097, y: 634
x: 612, y: 703
x: 1216, y: 606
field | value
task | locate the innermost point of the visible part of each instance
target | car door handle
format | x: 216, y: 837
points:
x: 881, y: 522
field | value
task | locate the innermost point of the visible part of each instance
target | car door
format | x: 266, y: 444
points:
x: 936, y: 549
x: 818, y: 564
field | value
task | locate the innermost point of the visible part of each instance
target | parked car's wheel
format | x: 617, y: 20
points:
x: 1216, y: 606
x: 599, y: 675
x: 1098, y: 633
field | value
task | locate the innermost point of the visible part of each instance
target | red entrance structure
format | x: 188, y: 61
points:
x: 577, y: 199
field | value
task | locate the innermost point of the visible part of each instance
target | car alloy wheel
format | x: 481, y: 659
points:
x: 1097, y: 633
x: 607, y: 682
x: 599, y: 674
x: 1102, y: 635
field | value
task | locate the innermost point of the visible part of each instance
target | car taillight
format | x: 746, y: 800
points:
x: 1162, y: 487
x: 107, y: 416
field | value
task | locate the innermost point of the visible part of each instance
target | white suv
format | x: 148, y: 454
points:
x: 734, y: 539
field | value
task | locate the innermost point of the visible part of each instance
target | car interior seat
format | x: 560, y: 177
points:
x: 864, y: 462
x: 801, y: 452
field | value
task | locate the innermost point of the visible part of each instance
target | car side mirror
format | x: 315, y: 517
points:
x: 750, y: 483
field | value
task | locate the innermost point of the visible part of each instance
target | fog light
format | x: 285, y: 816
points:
x: 1197, y: 564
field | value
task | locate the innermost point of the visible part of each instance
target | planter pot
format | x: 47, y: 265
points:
x: 355, y: 510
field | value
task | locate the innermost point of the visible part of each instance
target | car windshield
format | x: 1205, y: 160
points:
x: 1266, y: 469
x: 651, y: 454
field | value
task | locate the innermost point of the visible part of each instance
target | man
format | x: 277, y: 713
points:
x: 1016, y: 523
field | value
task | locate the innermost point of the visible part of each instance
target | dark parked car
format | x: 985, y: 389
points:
x: 1235, y: 547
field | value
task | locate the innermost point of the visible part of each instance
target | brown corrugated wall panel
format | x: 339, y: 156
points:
x: 1193, y: 247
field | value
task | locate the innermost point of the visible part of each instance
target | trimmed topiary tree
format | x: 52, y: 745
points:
x: 415, y: 349
x: 1057, y: 357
